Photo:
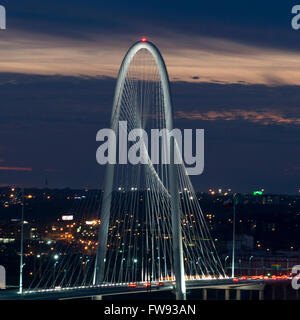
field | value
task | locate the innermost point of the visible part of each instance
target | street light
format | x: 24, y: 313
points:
x: 234, y: 198
x: 22, y: 245
x: 250, y: 259
x: 225, y: 262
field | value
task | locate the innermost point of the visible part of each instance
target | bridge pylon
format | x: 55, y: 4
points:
x: 109, y: 175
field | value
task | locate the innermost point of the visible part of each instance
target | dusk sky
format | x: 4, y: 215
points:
x: 234, y: 68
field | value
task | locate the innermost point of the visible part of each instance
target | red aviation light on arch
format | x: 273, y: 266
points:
x: 144, y: 39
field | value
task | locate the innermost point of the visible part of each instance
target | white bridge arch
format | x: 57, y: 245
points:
x: 173, y: 178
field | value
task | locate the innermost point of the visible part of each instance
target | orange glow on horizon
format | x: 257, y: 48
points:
x: 15, y: 169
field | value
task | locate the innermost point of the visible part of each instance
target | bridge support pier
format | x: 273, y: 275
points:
x: 250, y: 295
x: 238, y: 294
x: 98, y: 297
x: 227, y: 294
x: 261, y: 295
x: 273, y: 292
x: 284, y: 292
x: 204, y: 294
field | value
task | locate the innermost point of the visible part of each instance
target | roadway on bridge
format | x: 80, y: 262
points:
x: 110, y: 290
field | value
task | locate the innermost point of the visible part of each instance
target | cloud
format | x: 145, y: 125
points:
x: 50, y: 122
x: 15, y: 168
x: 213, y: 58
x: 255, y: 22
x: 266, y: 117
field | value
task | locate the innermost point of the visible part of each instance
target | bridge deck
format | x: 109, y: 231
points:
x: 108, y: 290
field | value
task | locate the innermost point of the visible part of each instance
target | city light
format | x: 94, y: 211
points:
x: 67, y: 217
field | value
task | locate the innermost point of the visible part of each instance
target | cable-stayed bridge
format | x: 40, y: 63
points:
x: 151, y: 232
x: 152, y: 227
